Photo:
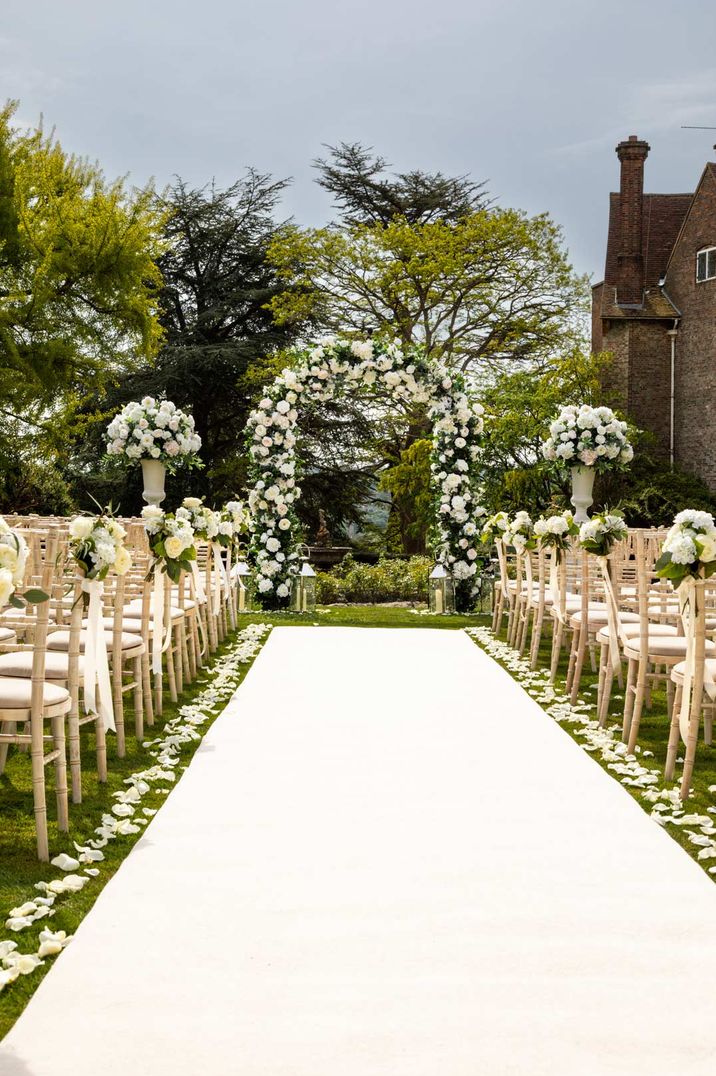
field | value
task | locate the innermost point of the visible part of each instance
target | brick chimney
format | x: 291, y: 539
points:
x: 630, y: 256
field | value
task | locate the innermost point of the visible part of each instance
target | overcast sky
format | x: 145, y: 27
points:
x: 530, y: 96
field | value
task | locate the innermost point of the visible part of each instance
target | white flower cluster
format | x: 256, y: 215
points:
x: 602, y: 532
x: 204, y: 522
x: 588, y: 436
x: 557, y: 526
x: 690, y: 546
x: 13, y: 560
x: 170, y: 534
x: 153, y: 430
x: 520, y: 532
x: 97, y: 544
x: 322, y: 374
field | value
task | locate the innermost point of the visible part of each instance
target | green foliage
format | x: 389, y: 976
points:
x: 413, y: 502
x: 78, y: 279
x: 650, y: 493
x: 386, y: 581
x: 489, y: 286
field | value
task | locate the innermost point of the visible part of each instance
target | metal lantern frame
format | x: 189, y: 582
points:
x: 441, y: 590
x: 244, y: 589
x: 303, y: 586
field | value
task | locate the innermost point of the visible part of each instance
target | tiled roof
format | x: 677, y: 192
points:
x: 656, y: 305
x: 662, y: 219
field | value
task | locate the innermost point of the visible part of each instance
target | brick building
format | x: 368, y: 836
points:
x: 656, y: 310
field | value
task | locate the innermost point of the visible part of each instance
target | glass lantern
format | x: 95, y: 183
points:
x: 303, y: 588
x: 441, y: 590
x: 243, y: 577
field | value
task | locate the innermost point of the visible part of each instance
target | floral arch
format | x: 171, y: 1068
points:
x: 325, y: 372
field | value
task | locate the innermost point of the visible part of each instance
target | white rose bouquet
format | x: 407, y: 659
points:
x: 97, y: 544
x: 689, y: 548
x: 203, y: 521
x: 154, y: 430
x: 555, y: 532
x: 602, y: 532
x: 495, y: 527
x: 233, y: 522
x: 588, y: 436
x: 13, y: 561
x: 520, y: 533
x: 171, y: 541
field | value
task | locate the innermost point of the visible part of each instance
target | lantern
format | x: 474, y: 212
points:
x: 442, y: 590
x: 242, y: 573
x: 303, y: 592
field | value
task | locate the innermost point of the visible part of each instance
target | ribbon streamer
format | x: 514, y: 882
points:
x: 97, y: 683
x: 613, y: 618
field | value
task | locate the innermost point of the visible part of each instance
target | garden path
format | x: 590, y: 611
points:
x: 386, y: 860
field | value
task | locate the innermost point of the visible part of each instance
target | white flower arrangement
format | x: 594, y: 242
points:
x: 495, y: 527
x: 602, y: 532
x: 97, y: 545
x: 171, y: 540
x: 154, y: 430
x: 13, y: 563
x: 520, y: 533
x: 322, y: 374
x: 556, y: 531
x: 203, y: 521
x: 588, y: 436
x: 234, y: 523
x: 689, y: 548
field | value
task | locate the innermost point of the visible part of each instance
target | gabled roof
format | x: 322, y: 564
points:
x: 663, y: 216
x: 710, y: 171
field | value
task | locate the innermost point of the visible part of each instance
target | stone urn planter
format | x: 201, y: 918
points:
x: 154, y: 474
x: 582, y: 490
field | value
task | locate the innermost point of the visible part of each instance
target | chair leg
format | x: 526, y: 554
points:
x: 578, y: 666
x: 557, y: 634
x: 536, y: 636
x: 58, y: 740
x: 118, y: 705
x: 37, y: 759
x: 147, y: 690
x: 171, y: 673
x: 641, y: 685
x: 73, y: 750
x: 100, y: 736
x: 5, y: 727
x: 573, y: 649
x: 629, y: 698
x: 138, y: 699
x: 674, y: 735
x: 603, y: 708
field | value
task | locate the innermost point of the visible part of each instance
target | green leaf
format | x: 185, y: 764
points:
x: 35, y: 596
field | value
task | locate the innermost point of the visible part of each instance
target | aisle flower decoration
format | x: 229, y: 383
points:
x: 13, y: 562
x: 97, y: 545
x: 171, y: 540
x: 203, y: 521
x: 495, y: 527
x: 520, y: 533
x: 588, y: 436
x: 556, y: 532
x: 235, y: 520
x: 602, y: 533
x: 322, y: 374
x: 689, y: 549
x: 154, y: 430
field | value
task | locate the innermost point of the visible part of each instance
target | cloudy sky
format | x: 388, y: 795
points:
x: 530, y: 96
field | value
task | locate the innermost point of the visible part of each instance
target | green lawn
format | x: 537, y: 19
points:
x: 653, y: 738
x: 19, y: 868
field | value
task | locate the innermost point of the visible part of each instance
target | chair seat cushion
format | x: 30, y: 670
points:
x: 631, y: 629
x: 15, y: 694
x: 134, y: 609
x: 60, y: 640
x: 20, y: 664
x: 677, y: 673
x: 7, y: 635
x: 598, y: 617
x: 664, y: 646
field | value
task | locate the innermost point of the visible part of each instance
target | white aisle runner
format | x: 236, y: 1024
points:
x: 385, y: 860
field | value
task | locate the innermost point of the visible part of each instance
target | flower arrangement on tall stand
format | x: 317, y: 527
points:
x: 587, y: 440
x: 554, y: 534
x: 233, y: 523
x: 688, y: 558
x: 171, y: 541
x: 159, y: 436
x: 97, y: 547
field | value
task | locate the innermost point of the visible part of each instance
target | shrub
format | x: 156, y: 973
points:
x: 386, y: 581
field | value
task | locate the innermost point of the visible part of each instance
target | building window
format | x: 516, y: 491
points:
x: 706, y: 264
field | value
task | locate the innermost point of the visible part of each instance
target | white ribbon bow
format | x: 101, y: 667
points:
x: 97, y: 684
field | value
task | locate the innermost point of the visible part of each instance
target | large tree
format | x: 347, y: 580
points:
x: 78, y: 297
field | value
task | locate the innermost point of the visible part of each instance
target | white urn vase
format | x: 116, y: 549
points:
x: 582, y: 489
x: 154, y: 474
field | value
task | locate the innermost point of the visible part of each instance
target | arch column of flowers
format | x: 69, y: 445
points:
x: 323, y: 373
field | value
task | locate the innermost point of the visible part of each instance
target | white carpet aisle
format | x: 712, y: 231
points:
x: 385, y: 860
